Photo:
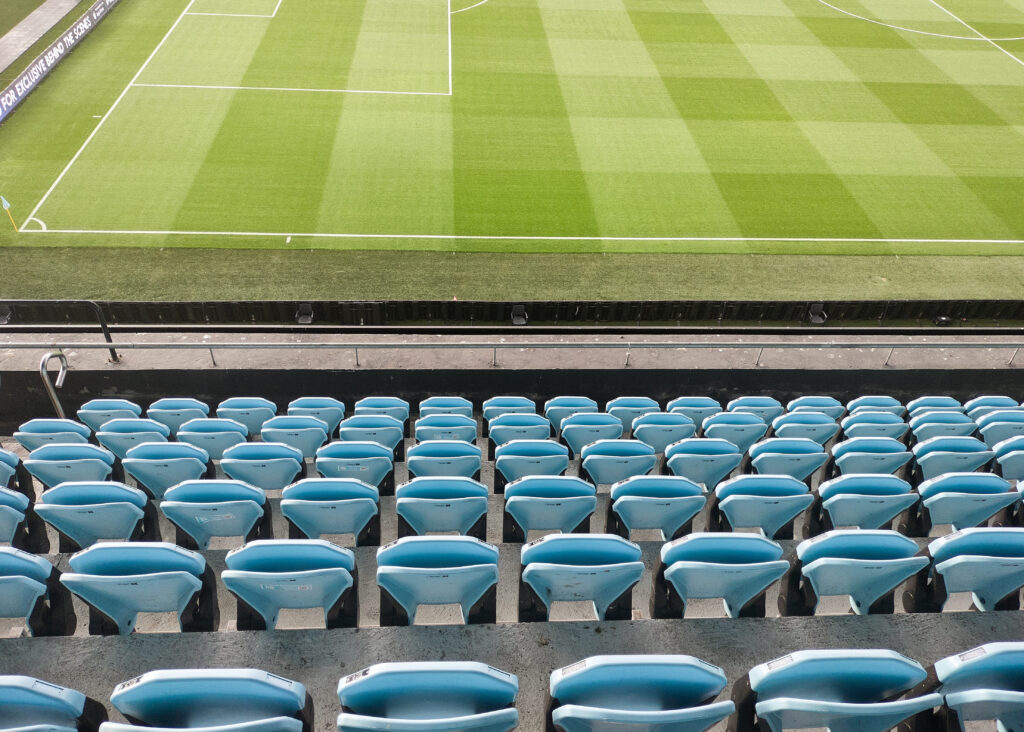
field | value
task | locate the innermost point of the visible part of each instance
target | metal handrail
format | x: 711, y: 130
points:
x: 61, y: 375
x: 101, y: 318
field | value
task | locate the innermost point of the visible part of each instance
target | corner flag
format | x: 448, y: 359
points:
x: 7, y: 207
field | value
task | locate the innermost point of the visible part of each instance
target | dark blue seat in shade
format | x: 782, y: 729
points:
x: 273, y: 575
x: 926, y: 425
x: 380, y: 428
x: 498, y: 405
x: 560, y: 407
x: 816, y: 426
x: 599, y: 568
x: 437, y: 570
x: 963, y: 500
x: 249, y: 411
x: 38, y: 432
x: 369, y: 462
x: 1000, y: 425
x: 327, y: 409
x: 30, y: 590
x: 389, y: 406
x: 983, y: 684
x: 579, y: 430
x: 950, y: 455
x: 661, y: 429
x: 859, y: 501
x: 84, y: 513
x: 96, y: 412
x: 204, y: 509
x: 865, y: 565
x: 55, y: 464
x: 445, y: 427
x: 742, y: 429
x: 157, y: 466
x: 516, y: 426
x: 547, y: 503
x: 767, y: 408
x: 176, y: 411
x: 866, y: 423
x: 769, y: 503
x: 305, y: 434
x: 213, y: 435
x: 667, y: 503
x: 867, y: 690
x: 642, y: 693
x: 315, y: 507
x: 438, y: 504
x: 876, y: 403
x: 982, y: 405
x: 608, y: 461
x: 211, y: 700
x: 120, y: 435
x: 267, y: 465
x: 875, y: 455
x: 120, y: 580
x: 446, y: 405
x: 519, y: 458
x: 1009, y: 458
x: 987, y: 562
x: 697, y: 408
x: 628, y: 408
x: 822, y: 404
x: 434, y: 696
x: 799, y: 457
x: 739, y: 568
x: 438, y: 458
x: 704, y: 460
x: 32, y: 705
x: 931, y: 403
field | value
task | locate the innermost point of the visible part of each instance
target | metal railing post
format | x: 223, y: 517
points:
x: 105, y: 328
x: 61, y: 375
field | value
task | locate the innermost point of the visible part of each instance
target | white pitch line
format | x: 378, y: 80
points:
x: 450, y: 83
x: 291, y: 89
x: 898, y: 27
x: 463, y: 10
x: 231, y: 15
x: 100, y: 124
x: 971, y: 28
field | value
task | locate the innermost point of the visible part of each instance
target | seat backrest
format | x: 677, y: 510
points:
x: 110, y: 405
x: 616, y: 448
x: 354, y: 450
x: 738, y: 418
x: 631, y: 402
x: 549, y: 486
x: 247, y: 403
x: 591, y: 419
x: 531, y: 448
x: 785, y: 446
x: 1009, y: 445
x: 295, y: 422
x: 9, y: 458
x: 874, y: 445
x: 55, y: 426
x: 62, y: 453
x: 18, y: 563
x: 761, y: 485
x: 214, y: 491
x: 991, y: 666
x: 436, y: 552
x: 506, y: 404
x: 206, y: 425
x: 980, y: 483
x: 518, y: 419
x: 445, y: 402
x: 864, y: 485
x: 663, y: 418
x: 701, y: 446
x: 119, y: 559
x: 875, y: 403
x: 131, y: 426
x: 291, y: 555
x: 655, y: 486
x: 329, y: 489
x: 29, y: 702
x: 167, y: 451
x: 807, y: 417
x: 179, y: 403
x: 88, y: 493
x: 860, y: 544
x: 262, y: 451
x: 581, y: 549
x: 446, y: 487
x: 718, y: 548
x: 979, y: 541
x: 314, y: 402
x: 813, y: 402
x: 13, y: 499
x: 924, y: 403
x: 443, y: 448
x: 867, y: 416
x: 397, y: 408
x: 922, y: 418
x: 947, y: 443
x: 451, y: 420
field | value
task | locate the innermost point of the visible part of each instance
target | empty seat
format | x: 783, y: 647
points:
x: 13, y: 506
x: 369, y: 462
x: 176, y: 411
x: 865, y: 565
x: 327, y: 409
x: 445, y: 427
x: 38, y: 432
x: 547, y: 503
x: 516, y: 426
x: 441, y: 696
x: 380, y: 428
x: 742, y: 429
x: 1009, y: 455
x: 926, y: 425
x: 932, y: 403
x: 697, y: 408
x: 304, y: 433
x: 816, y: 426
x: 267, y: 465
x: 159, y: 465
x: 608, y: 461
x: 84, y: 513
x: 561, y: 407
x: 437, y: 570
x: 950, y: 455
x: 861, y: 501
x: 315, y: 507
x: 822, y: 404
x: 446, y: 405
x: 626, y: 409
x: 643, y: 693
x: 507, y: 405
x: 664, y: 502
x: 269, y: 576
x: 213, y: 435
x: 661, y: 429
x: 203, y: 509
x: 866, y: 690
x: 579, y: 430
x: 121, y: 435
x: 867, y: 423
x: 55, y: 464
x: 739, y: 568
x: 799, y: 457
x: 1000, y: 425
x: 705, y: 461
x: 435, y: 504
x: 30, y: 590
x: 983, y: 684
x: 212, y: 700
x: 445, y: 458
x: 982, y: 405
x: 871, y: 455
x: 596, y: 568
x: 769, y: 503
x: 767, y: 408
x: 32, y: 705
x: 13, y: 474
x: 120, y: 580
x: 389, y: 406
x: 963, y: 500
x: 250, y: 411
x: 518, y: 458
x: 876, y: 404
x: 96, y: 412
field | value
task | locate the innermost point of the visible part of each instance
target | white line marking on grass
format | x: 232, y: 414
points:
x: 244, y: 15
x: 463, y: 10
x: 971, y: 28
x: 291, y: 89
x: 909, y: 30
x: 449, y: 47
x: 106, y: 116
x: 38, y: 221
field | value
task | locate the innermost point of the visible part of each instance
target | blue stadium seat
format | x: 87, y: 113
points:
x: 13, y: 474
x: 380, y: 428
x: 369, y: 462
x: 983, y: 684
x: 876, y: 404
x: 963, y: 500
x: 120, y: 580
x: 1009, y: 454
x: 159, y: 465
x: 599, y: 568
x: 435, y: 504
x: 796, y: 456
x: 445, y: 427
x: 742, y: 429
x: 13, y: 506
x: 870, y: 455
x: 305, y: 434
x: 384, y: 405
x: 822, y: 404
x: 55, y: 464
x: 516, y: 426
x: 580, y: 429
x: 211, y: 700
x: 926, y: 425
x: 96, y: 412
x: 547, y: 503
x: 84, y: 513
x: 121, y: 435
x: 608, y: 461
x: 440, y: 696
x: 626, y: 409
x: 250, y: 411
x: 445, y: 458
x: 865, y: 565
x: 507, y: 405
x: 705, y: 461
x: 1000, y: 425
x: 437, y: 570
x: 32, y: 705
x: 767, y: 408
x: 445, y: 405
x: 327, y: 409
x: 273, y: 575
x: 862, y: 501
x: 982, y: 405
x: 987, y: 562
x: 697, y: 408
x: 951, y: 455
x: 267, y: 465
x: 642, y: 693
x: 560, y: 407
x: 769, y: 503
x: 816, y: 426
x: 314, y: 507
x: 867, y: 423
x: 203, y: 509
x: 30, y: 590
x: 933, y: 403
x: 176, y: 411
x: 864, y: 690
x: 739, y: 568
x: 213, y: 435
x: 664, y: 502
x: 38, y: 432
x: 661, y: 429
x: 519, y: 458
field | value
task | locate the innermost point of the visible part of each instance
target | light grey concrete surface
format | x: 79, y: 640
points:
x: 23, y: 36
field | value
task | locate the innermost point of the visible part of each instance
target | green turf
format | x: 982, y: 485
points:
x: 15, y: 11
